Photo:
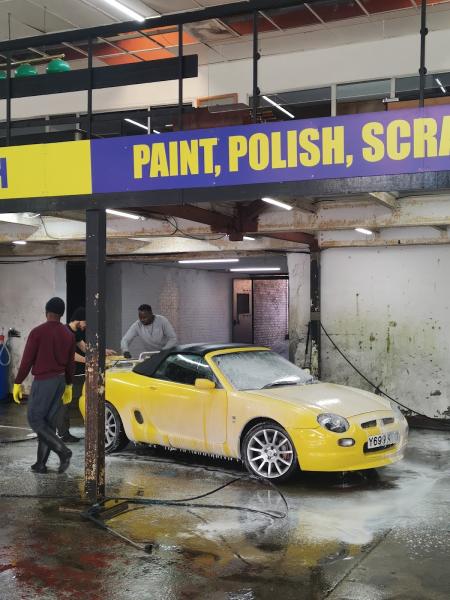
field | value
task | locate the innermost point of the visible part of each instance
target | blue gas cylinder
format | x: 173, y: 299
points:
x: 5, y: 359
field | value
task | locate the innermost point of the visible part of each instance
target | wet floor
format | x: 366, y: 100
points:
x: 352, y: 537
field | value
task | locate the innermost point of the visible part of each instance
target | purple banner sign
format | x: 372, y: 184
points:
x: 388, y: 143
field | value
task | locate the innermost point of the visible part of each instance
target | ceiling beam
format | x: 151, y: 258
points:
x: 387, y: 199
x: 294, y: 236
x: 217, y: 221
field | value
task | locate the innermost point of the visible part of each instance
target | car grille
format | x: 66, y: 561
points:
x: 367, y: 451
x: 368, y: 424
x: 373, y: 423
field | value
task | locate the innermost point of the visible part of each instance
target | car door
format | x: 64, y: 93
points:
x: 176, y: 408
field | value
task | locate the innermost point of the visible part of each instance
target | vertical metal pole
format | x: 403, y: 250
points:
x: 315, y: 329
x: 95, y: 354
x: 256, y: 57
x: 422, y: 69
x: 8, y: 99
x: 89, y: 91
x: 180, y: 76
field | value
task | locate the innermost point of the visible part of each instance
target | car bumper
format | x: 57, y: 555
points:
x: 318, y: 449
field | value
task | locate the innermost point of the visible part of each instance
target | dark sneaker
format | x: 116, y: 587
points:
x: 70, y: 439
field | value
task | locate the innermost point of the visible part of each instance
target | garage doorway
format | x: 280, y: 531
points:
x: 260, y: 312
x: 76, y: 286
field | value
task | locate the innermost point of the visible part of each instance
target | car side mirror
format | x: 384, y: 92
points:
x: 307, y: 371
x: 205, y: 384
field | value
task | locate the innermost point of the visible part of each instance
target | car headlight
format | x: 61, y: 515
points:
x: 332, y: 422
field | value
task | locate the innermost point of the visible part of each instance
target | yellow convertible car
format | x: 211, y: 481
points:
x: 249, y: 403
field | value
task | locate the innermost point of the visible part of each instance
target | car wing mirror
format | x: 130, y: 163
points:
x: 307, y: 371
x: 204, y: 384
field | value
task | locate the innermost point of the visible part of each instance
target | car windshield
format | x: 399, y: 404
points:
x: 260, y: 369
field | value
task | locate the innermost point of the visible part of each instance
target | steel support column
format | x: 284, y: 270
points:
x: 95, y: 354
x: 89, y: 92
x: 423, y: 37
x: 256, y: 57
x: 8, y: 99
x: 180, y: 77
x: 315, y: 327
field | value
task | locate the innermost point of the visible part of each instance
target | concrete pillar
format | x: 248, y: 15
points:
x: 299, y: 305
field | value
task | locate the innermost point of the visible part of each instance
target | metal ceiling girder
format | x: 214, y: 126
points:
x: 203, y: 14
x: 102, y: 77
x: 217, y: 221
x: 388, y: 199
x: 294, y: 236
x: 419, y: 182
x: 337, y: 215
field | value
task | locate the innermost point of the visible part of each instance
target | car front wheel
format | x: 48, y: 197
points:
x: 269, y: 453
x: 115, y: 438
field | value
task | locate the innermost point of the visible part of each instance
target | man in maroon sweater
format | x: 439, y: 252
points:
x: 49, y: 354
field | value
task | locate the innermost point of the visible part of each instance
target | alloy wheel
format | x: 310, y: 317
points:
x: 110, y: 427
x: 270, y: 453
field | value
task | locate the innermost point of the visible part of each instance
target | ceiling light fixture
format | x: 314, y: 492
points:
x: 273, y: 103
x: 137, y: 124
x: 439, y: 82
x: 156, y: 131
x: 364, y: 231
x: 19, y: 242
x: 119, y: 213
x: 126, y: 11
x: 248, y: 269
x: 199, y: 261
x: 277, y: 203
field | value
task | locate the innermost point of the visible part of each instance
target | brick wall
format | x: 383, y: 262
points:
x: 270, y: 313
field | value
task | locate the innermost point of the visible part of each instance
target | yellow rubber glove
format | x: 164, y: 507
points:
x: 17, y: 392
x: 67, y: 396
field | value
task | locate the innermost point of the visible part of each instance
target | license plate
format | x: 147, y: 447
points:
x: 382, y: 440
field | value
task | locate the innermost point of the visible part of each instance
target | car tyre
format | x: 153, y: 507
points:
x: 269, y: 453
x: 115, y: 437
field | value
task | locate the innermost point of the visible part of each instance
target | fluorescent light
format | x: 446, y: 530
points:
x: 156, y: 131
x: 277, y: 203
x: 208, y: 260
x: 248, y: 238
x: 439, y: 82
x: 362, y: 230
x: 279, y: 107
x: 19, y: 242
x: 126, y: 11
x: 119, y: 213
x: 137, y: 124
x: 248, y: 269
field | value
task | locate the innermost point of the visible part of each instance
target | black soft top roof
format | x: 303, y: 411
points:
x: 150, y: 365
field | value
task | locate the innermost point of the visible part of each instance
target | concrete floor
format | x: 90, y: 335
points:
x: 344, y: 538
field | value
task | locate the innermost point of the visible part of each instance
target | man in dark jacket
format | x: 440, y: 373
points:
x: 77, y: 327
x: 49, y: 354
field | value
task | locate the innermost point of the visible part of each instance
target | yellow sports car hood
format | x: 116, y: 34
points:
x: 327, y: 398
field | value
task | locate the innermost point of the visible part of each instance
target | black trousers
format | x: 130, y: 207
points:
x: 45, y: 401
x: 63, y: 416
